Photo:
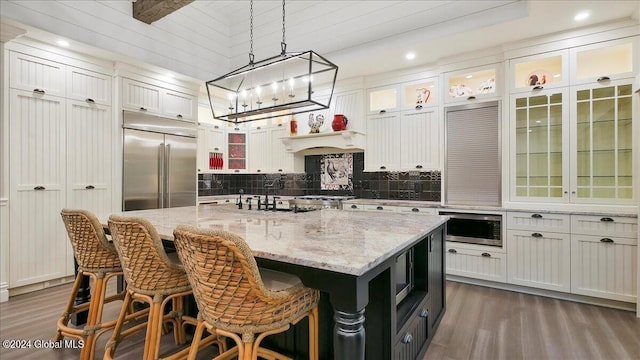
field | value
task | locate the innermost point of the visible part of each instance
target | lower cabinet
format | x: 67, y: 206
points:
x: 415, y: 334
x: 539, y: 259
x: 604, y: 266
x: 484, y: 264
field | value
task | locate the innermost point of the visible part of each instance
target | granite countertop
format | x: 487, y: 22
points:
x: 348, y: 242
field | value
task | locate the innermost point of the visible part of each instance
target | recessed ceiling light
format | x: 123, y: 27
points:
x: 469, y: 76
x: 64, y: 43
x: 556, y: 75
x: 410, y: 56
x: 581, y: 16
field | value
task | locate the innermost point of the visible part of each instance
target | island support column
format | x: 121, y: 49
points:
x: 349, y: 336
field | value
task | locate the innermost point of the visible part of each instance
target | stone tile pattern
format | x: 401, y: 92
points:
x: 413, y: 185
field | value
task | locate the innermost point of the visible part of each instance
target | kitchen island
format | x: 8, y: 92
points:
x: 350, y: 257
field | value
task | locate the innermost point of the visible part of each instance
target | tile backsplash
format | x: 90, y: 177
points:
x: 413, y: 185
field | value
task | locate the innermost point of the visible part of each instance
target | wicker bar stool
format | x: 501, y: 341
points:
x: 236, y: 299
x: 151, y: 278
x: 97, y: 258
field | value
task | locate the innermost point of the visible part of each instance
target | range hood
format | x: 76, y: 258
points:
x: 346, y: 140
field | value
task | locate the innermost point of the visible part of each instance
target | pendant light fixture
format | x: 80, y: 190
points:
x: 285, y: 84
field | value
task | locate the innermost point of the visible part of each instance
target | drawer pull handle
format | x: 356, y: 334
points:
x: 216, y: 127
x: 354, y: 206
x: 606, y: 219
x: 258, y: 170
x: 142, y: 108
x: 418, y: 166
x: 236, y: 170
x: 216, y: 149
x: 179, y: 116
x: 39, y: 91
x: 407, y: 338
x: 379, y: 208
x: 90, y: 100
x: 424, y: 313
x: 279, y: 170
x: 538, y: 87
x: 382, y: 167
x: 236, y: 129
x: 471, y: 98
x: 606, y: 240
x: 89, y: 187
x: 536, y: 216
x: 226, y: 200
x: 415, y: 210
x: 453, y: 251
x: 538, y: 235
x: 383, y: 111
x: 603, y: 78
x: 486, y: 255
x: 418, y: 107
x: 280, y: 124
x: 39, y: 188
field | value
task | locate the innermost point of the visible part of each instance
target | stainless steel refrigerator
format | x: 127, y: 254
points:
x: 159, y: 164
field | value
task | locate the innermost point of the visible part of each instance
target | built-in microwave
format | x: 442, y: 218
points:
x: 404, y: 275
x: 481, y: 229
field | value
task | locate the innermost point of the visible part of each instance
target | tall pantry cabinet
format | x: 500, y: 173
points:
x: 61, y: 155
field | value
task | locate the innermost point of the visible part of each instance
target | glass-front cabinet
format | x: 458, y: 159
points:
x: 603, y: 62
x: 473, y: 83
x: 383, y: 99
x: 539, y: 161
x: 237, y: 150
x: 603, y: 143
x: 420, y: 94
x: 538, y: 72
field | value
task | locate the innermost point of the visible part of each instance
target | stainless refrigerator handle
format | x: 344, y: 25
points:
x: 167, y: 161
x: 160, y: 172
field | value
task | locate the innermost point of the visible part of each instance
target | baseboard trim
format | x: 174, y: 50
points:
x: 547, y: 293
x: 4, y: 292
x: 40, y: 286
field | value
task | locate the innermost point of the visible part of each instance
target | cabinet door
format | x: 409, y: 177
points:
x: 421, y: 94
x: 436, y: 276
x: 141, y: 97
x: 259, y: 150
x: 604, y: 267
x: 539, y: 150
x: 604, y: 225
x: 411, y: 340
x: 472, y: 84
x: 89, y: 157
x: 536, y: 221
x: 282, y: 161
x: 214, y: 148
x: 538, y: 72
x: 539, y: 259
x: 602, y: 156
x: 178, y: 105
x: 41, y: 76
x: 237, y: 150
x: 384, y: 99
x: 420, y: 144
x: 89, y: 86
x: 486, y: 265
x: 604, y: 62
x: 37, y: 189
x: 383, y: 142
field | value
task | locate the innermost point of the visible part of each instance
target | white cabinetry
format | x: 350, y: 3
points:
x: 383, y: 142
x: 420, y: 140
x: 153, y: 99
x: 539, y: 250
x: 478, y: 262
x: 604, y: 259
x: 259, y: 150
x: 61, y: 128
x: 473, y: 84
x: 267, y: 152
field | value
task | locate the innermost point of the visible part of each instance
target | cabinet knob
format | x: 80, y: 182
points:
x: 415, y: 210
x: 407, y: 338
x: 537, y: 235
x: 236, y: 170
x: 603, y: 78
x: 379, y: 208
x: 418, y: 107
x: 258, y: 170
x: 89, y: 187
x: 258, y: 128
x: 418, y: 166
x: 39, y: 91
x: 89, y: 100
x: 538, y: 87
x: 179, y: 116
x: 39, y: 188
x: 142, y: 108
x: 216, y: 149
x: 216, y: 127
x: 606, y: 240
x: 280, y: 124
x: 606, y: 219
x: 453, y: 251
x: 536, y: 216
x: 486, y: 255
x: 471, y: 98
x: 424, y: 313
x: 279, y: 170
x: 383, y: 111
x: 236, y: 129
x: 227, y: 200
x: 354, y: 206
x: 382, y: 167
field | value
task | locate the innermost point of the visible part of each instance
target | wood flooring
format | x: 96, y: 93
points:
x: 480, y: 323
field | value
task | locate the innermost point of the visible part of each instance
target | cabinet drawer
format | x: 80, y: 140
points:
x: 353, y: 207
x: 538, y: 221
x: 478, y: 264
x: 412, y: 338
x: 382, y: 207
x: 606, y: 269
x: 604, y: 226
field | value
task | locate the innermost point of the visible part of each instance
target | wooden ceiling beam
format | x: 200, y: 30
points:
x: 149, y: 11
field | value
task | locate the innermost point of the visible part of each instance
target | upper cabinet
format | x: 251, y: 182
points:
x: 419, y: 94
x: 543, y: 71
x: 143, y: 97
x: 605, y: 61
x: 89, y: 86
x: 383, y: 99
x: 471, y: 84
x: 38, y: 75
